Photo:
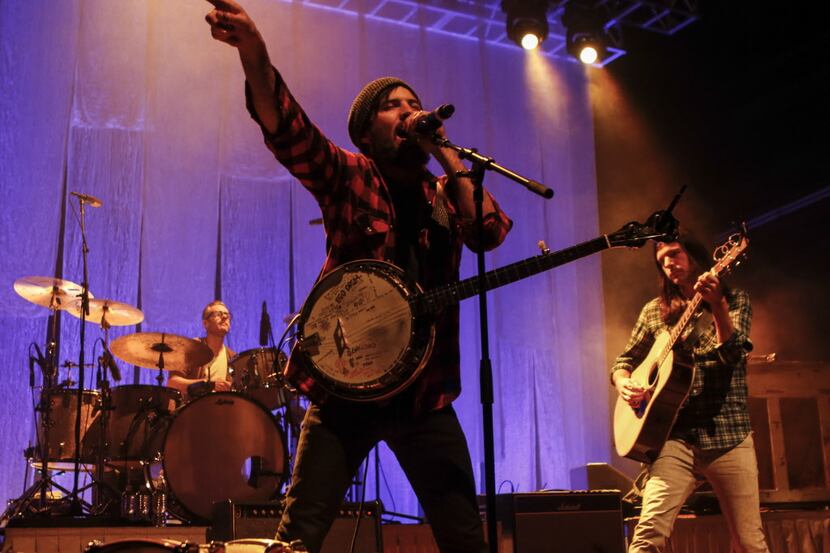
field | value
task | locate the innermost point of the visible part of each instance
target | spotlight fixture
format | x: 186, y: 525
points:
x: 527, y: 21
x: 585, y: 37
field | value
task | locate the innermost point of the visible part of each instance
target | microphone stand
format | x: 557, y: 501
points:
x: 75, y: 505
x: 480, y: 164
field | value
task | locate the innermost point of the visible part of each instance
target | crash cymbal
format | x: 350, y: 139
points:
x: 143, y: 349
x: 116, y: 312
x: 51, y: 292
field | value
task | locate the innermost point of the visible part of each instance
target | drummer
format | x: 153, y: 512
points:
x: 213, y: 376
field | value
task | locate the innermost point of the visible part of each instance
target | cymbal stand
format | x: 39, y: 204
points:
x: 161, y: 348
x: 101, y: 500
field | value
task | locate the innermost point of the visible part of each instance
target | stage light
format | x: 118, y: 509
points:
x: 527, y: 23
x: 587, y: 49
x: 585, y: 38
x: 530, y: 41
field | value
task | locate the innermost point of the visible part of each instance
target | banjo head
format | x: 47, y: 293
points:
x: 358, y: 336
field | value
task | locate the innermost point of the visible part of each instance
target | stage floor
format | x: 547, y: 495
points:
x: 788, y: 531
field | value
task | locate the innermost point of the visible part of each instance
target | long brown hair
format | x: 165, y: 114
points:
x: 672, y: 301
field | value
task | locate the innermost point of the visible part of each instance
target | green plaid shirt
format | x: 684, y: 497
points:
x: 715, y: 414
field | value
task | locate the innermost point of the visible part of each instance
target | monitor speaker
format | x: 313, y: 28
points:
x: 234, y: 520
x: 560, y: 522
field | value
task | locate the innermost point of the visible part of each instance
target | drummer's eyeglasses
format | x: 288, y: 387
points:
x: 219, y: 315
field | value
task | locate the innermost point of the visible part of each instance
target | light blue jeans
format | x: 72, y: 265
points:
x: 733, y: 474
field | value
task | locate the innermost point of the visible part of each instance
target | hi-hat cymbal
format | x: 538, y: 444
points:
x: 144, y: 348
x: 116, y: 312
x: 51, y: 292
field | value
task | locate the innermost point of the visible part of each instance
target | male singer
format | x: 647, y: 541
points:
x: 381, y: 203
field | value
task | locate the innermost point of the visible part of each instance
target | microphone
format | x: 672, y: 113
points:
x: 264, y: 326
x: 432, y: 121
x: 109, y: 361
x: 91, y: 201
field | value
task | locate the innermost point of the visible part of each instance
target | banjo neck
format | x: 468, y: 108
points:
x: 435, y: 300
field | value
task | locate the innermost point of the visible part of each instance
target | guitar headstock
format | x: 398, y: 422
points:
x: 660, y: 226
x: 731, y: 253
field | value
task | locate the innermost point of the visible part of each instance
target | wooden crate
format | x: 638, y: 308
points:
x: 789, y: 404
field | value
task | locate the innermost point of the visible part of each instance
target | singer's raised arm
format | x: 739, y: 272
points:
x: 231, y: 24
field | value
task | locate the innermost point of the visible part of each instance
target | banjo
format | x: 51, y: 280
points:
x: 365, y: 333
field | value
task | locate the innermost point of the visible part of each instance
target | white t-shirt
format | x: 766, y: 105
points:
x: 217, y: 369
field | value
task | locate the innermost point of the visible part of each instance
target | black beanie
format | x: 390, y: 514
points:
x: 361, y: 111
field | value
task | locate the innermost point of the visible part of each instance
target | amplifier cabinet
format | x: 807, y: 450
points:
x: 561, y: 522
x: 234, y: 520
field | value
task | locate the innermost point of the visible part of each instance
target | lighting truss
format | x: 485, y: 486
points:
x: 485, y: 20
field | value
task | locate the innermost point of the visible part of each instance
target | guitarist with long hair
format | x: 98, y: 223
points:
x: 711, y: 436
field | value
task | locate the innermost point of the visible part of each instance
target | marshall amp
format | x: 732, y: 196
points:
x: 560, y: 522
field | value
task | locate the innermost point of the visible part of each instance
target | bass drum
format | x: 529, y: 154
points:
x: 222, y: 446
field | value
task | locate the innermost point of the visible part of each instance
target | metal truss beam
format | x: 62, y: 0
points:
x: 484, y: 19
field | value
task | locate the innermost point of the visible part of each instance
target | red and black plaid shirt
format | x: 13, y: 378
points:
x: 359, y: 218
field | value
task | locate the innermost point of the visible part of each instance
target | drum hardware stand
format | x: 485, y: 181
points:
x: 290, y: 427
x: 480, y: 165
x: 102, y: 500
x: 38, y: 491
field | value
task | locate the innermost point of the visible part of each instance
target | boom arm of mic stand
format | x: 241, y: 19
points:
x: 489, y: 163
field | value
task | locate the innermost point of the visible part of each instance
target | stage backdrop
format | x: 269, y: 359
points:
x: 134, y: 103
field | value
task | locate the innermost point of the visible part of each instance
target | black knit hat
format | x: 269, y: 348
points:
x: 361, y: 112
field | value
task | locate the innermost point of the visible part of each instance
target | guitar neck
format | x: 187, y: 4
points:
x: 683, y: 321
x: 444, y: 296
x: 687, y: 316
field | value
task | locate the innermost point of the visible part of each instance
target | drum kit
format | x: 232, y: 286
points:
x: 152, y: 455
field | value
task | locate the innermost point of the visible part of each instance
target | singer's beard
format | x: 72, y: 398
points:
x: 406, y: 155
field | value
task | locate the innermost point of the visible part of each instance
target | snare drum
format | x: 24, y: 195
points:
x: 222, y: 446
x: 60, y: 449
x: 249, y: 545
x: 144, y: 546
x: 254, y: 545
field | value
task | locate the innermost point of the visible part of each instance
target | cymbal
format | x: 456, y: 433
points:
x: 143, y: 349
x: 116, y: 312
x: 51, y: 292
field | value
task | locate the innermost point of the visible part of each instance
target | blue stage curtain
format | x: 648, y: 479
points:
x: 133, y: 102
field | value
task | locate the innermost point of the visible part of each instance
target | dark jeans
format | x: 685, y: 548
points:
x: 430, y: 447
